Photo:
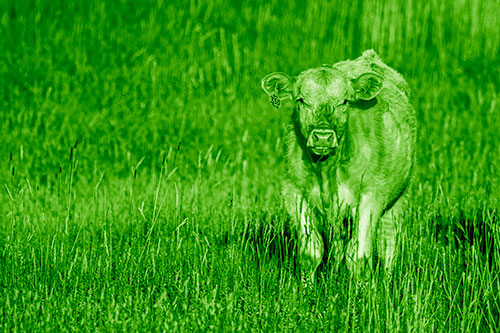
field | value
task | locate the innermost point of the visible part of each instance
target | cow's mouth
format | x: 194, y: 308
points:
x: 321, y: 153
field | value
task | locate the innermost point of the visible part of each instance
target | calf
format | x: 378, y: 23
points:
x: 351, y: 148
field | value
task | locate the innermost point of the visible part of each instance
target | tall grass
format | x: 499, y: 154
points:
x: 140, y: 166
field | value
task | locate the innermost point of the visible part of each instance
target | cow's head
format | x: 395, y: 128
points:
x: 322, y: 98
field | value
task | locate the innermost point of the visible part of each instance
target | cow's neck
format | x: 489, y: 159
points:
x: 326, y: 171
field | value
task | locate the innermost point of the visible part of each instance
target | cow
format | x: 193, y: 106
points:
x: 350, y: 150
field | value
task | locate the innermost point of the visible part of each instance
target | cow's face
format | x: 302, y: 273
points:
x: 322, y: 99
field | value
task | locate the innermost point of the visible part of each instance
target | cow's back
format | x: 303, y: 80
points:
x: 370, y: 61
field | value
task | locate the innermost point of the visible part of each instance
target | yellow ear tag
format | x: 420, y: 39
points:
x: 275, y: 101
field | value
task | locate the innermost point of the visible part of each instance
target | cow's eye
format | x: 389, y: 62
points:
x: 301, y: 101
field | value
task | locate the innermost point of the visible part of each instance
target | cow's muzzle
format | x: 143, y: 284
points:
x: 322, y: 141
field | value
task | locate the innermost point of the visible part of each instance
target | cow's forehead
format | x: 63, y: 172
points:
x: 322, y: 84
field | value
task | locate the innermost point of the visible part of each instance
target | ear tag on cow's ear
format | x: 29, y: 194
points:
x: 275, y: 101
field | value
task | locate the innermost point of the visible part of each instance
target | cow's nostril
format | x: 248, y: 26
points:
x: 323, y: 137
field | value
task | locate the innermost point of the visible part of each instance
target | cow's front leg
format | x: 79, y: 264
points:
x: 310, y: 251
x: 361, y: 246
x: 389, y: 223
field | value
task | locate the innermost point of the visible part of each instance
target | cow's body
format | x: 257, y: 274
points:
x: 365, y: 157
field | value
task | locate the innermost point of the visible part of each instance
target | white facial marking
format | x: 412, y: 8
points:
x: 337, y: 88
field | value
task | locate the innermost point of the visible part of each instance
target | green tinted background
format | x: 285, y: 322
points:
x: 140, y: 164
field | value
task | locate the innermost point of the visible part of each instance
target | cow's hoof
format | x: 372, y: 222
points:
x: 307, y: 279
x: 351, y: 256
x: 357, y: 265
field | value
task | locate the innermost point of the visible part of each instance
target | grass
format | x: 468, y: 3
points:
x: 140, y: 166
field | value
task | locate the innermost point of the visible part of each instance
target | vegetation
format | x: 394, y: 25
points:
x: 140, y: 165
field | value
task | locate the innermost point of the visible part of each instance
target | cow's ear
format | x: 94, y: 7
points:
x: 366, y: 86
x: 278, y: 86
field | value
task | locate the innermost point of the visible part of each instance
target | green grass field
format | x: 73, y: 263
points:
x: 140, y: 166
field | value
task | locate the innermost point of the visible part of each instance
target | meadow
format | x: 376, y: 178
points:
x: 140, y: 166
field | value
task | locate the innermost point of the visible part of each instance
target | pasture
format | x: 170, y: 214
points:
x: 140, y: 166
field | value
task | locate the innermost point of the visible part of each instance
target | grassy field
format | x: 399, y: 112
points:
x: 140, y: 166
